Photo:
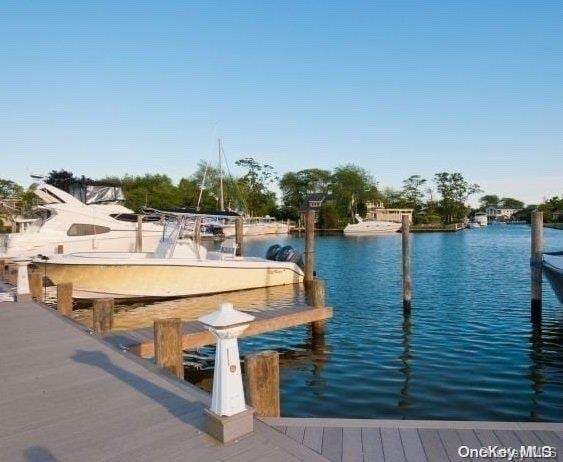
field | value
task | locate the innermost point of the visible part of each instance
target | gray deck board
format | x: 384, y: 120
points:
x: 412, y: 445
x: 296, y: 433
x: 451, y: 441
x: 66, y: 395
x: 352, y: 450
x: 432, y: 443
x: 372, y: 445
x: 332, y: 444
x: 392, y: 445
x: 313, y: 438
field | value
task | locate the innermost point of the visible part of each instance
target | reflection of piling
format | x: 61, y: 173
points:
x: 309, y: 247
x: 102, y: 315
x: 168, y: 345
x: 139, y: 234
x: 64, y: 298
x: 239, y: 234
x: 536, y: 262
x: 262, y: 371
x: 407, y: 284
x: 36, y: 285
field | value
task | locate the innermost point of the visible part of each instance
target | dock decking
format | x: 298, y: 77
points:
x: 195, y: 334
x: 67, y: 396
x: 413, y: 440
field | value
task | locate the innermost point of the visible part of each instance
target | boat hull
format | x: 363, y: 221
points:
x: 554, y: 275
x: 162, y: 280
x: 372, y: 228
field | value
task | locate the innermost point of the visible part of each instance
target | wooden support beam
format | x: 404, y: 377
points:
x: 168, y: 345
x: 64, y: 298
x: 262, y: 374
x: 36, y: 285
x: 196, y: 335
x: 536, y: 262
x: 309, y: 247
x: 139, y: 234
x: 102, y: 315
x: 239, y: 236
x: 406, y: 254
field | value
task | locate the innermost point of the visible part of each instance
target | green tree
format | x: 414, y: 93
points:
x: 413, y: 194
x: 454, y: 192
x: 254, y: 186
x: 351, y: 186
x: 295, y: 185
x: 61, y: 179
x: 156, y: 191
x: 511, y: 203
x: 549, y: 206
x: 329, y: 217
x: 9, y: 189
x: 489, y: 200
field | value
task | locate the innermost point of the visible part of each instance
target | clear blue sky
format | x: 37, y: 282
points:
x: 398, y: 87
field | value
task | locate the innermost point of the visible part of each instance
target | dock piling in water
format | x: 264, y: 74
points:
x: 139, y: 234
x: 36, y: 285
x: 316, y: 298
x: 239, y: 236
x: 60, y: 249
x: 168, y: 345
x: 309, y: 248
x: 406, y: 247
x: 102, y: 315
x: 64, y: 298
x: 536, y: 262
x: 262, y: 371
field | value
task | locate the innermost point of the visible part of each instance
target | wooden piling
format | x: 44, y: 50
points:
x: 60, y: 249
x: 262, y: 373
x: 102, y: 315
x: 64, y: 298
x: 12, y: 274
x: 536, y: 262
x: 239, y: 236
x: 309, y: 247
x: 139, y: 234
x: 316, y: 298
x: 2, y: 270
x: 168, y: 345
x: 36, y: 285
x: 407, y: 283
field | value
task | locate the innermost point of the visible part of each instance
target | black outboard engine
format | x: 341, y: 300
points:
x: 273, y: 251
x: 288, y: 253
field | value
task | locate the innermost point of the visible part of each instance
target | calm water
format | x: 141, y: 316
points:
x: 468, y: 350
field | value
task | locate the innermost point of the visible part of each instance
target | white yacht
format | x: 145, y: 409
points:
x: 179, y: 267
x: 105, y: 226
x: 479, y: 220
x: 369, y: 227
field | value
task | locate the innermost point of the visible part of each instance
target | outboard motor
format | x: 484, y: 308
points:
x: 272, y: 252
x: 288, y: 253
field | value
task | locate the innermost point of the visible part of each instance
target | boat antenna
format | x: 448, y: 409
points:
x: 202, y: 187
x: 221, y: 198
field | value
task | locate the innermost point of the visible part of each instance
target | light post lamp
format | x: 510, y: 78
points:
x: 229, y: 417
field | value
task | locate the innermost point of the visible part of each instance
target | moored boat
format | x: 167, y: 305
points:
x: 552, y: 266
x: 372, y: 227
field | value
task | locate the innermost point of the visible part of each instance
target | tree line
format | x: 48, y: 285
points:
x: 349, y: 188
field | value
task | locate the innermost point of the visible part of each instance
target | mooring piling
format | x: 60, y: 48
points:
x: 262, y: 372
x: 406, y: 254
x: 536, y: 262
x: 102, y: 315
x: 168, y: 345
x: 64, y: 298
x: 60, y: 249
x: 2, y: 270
x: 36, y: 285
x: 23, y: 294
x: 239, y: 237
x: 139, y: 234
x: 316, y: 298
x: 309, y: 248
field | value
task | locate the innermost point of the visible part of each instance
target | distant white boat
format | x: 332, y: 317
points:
x: 481, y: 218
x: 369, y: 227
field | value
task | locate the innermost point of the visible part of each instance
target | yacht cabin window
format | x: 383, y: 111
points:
x: 80, y: 229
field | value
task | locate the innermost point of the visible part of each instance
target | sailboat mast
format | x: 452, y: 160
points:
x: 202, y: 187
x: 221, y: 198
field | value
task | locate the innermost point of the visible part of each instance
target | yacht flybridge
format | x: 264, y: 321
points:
x: 103, y: 225
x: 179, y: 267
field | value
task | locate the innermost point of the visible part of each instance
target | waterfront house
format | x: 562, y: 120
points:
x: 498, y: 213
x: 314, y: 201
x: 376, y: 211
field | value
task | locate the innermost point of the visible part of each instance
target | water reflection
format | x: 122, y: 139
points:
x: 536, y: 367
x: 405, y: 399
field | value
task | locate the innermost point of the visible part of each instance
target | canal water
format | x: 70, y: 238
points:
x: 468, y: 351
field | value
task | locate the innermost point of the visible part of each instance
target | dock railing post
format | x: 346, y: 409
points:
x: 64, y: 298
x: 536, y: 262
x: 239, y: 237
x: 309, y: 248
x: 168, y: 345
x: 262, y: 372
x: 406, y: 248
x: 36, y: 285
x: 102, y: 315
x: 139, y: 234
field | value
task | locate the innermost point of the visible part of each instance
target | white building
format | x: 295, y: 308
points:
x: 500, y: 213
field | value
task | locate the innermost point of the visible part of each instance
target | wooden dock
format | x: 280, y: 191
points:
x: 359, y: 440
x: 67, y: 396
x: 195, y: 334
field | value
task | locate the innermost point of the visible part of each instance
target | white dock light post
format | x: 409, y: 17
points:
x: 23, y: 294
x: 229, y: 417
